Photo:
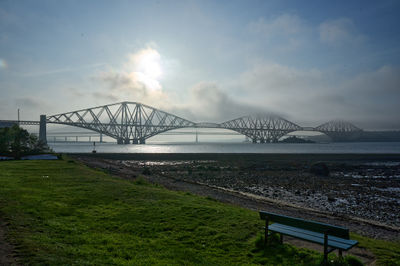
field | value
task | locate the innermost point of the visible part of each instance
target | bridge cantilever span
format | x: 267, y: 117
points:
x: 126, y: 122
x: 261, y: 128
x: 339, y: 130
x: 131, y: 122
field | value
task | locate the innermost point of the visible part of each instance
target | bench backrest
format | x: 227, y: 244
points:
x: 305, y: 224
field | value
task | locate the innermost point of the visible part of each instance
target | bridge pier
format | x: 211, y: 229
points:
x: 139, y: 141
x: 42, y: 129
x: 123, y: 141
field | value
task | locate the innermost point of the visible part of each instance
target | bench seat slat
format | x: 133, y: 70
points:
x: 306, y: 224
x: 333, y: 238
x: 309, y: 236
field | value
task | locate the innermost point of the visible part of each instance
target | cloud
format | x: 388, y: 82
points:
x: 63, y: 70
x: 287, y: 31
x: 285, y: 24
x: 123, y: 82
x: 75, y: 92
x: 127, y: 87
x: 340, y: 31
x: 305, y: 96
x: 281, y: 88
x: 138, y: 79
x: 384, y: 81
x: 104, y: 96
x: 30, y: 106
x: 207, y: 102
x: 30, y: 102
x: 290, y: 32
x: 375, y: 97
x: 369, y: 99
x: 279, y: 78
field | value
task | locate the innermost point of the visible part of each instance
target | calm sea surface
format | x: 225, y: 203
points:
x: 353, y: 147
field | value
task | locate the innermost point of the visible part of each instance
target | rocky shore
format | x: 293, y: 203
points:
x: 358, y: 189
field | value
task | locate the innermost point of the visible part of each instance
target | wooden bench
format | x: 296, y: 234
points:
x: 330, y: 236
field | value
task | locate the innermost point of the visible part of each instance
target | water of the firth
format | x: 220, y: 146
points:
x: 351, y: 147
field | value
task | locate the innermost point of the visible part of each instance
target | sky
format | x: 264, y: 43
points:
x: 308, y: 61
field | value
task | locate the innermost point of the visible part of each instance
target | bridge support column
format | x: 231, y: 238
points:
x: 101, y: 137
x: 42, y: 129
x: 254, y: 140
x: 135, y: 141
x: 142, y: 141
x: 127, y: 141
x: 120, y: 141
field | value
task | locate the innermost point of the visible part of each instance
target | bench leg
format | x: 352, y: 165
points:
x: 281, y: 238
x: 340, y: 253
x: 325, y: 248
x: 266, y: 232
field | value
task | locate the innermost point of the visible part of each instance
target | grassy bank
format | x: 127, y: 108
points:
x: 61, y: 212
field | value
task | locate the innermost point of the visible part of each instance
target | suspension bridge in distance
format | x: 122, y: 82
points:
x: 132, y: 122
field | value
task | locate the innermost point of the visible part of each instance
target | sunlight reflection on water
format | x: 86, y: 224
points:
x: 353, y: 147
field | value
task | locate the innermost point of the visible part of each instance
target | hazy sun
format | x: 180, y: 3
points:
x: 147, y: 68
x: 149, y: 64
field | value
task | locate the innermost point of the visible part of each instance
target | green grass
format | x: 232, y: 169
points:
x: 388, y: 253
x: 61, y: 212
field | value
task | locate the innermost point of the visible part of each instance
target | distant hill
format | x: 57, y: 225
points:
x: 376, y: 136
x: 295, y: 139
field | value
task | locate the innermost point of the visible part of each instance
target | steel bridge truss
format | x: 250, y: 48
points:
x: 131, y: 122
x: 127, y: 122
x: 261, y: 128
x: 339, y: 130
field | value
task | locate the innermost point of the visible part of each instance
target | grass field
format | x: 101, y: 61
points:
x: 61, y: 212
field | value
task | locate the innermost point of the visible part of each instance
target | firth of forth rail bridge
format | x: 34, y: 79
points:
x: 132, y: 122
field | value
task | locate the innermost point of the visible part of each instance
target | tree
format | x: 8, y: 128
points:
x: 17, y: 141
x: 5, y: 140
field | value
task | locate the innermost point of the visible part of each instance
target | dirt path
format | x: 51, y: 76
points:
x: 7, y: 254
x: 253, y: 202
